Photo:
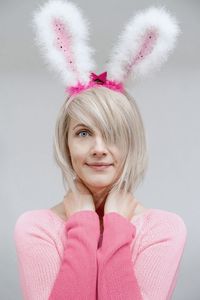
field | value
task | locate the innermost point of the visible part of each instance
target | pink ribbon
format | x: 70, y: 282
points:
x: 100, y: 79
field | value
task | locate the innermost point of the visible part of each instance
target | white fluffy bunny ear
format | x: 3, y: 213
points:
x: 144, y: 45
x: 62, y: 34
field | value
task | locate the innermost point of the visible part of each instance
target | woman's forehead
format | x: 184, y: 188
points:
x: 76, y: 123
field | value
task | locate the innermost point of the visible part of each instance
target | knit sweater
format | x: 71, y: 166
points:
x: 132, y: 260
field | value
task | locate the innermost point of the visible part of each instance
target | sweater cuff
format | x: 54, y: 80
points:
x: 84, y: 218
x: 119, y: 224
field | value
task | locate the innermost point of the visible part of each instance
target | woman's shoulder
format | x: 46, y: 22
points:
x: 32, y: 216
x: 157, y: 220
x: 36, y: 230
x: 161, y: 214
x: 34, y: 221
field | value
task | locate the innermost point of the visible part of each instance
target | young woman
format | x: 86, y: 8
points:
x: 99, y: 242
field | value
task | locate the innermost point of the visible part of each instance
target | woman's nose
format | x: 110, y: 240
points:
x: 99, y: 145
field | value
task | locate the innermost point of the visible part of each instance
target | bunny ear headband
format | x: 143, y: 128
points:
x: 62, y: 34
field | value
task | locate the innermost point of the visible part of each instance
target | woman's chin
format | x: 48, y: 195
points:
x: 98, y: 184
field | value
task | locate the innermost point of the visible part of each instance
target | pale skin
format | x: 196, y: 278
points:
x: 94, y: 185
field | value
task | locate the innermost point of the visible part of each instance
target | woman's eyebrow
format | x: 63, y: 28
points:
x: 80, y: 125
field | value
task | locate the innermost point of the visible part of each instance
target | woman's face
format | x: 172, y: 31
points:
x: 87, y: 147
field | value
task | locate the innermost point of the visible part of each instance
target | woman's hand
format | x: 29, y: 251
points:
x: 81, y: 201
x: 121, y: 203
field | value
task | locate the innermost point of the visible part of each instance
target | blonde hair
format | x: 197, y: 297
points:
x: 119, y: 121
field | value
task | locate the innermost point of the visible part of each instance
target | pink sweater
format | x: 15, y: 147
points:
x: 135, y: 260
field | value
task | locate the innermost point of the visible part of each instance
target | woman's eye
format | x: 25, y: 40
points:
x: 81, y: 132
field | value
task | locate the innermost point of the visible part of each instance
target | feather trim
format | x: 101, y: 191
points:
x: 144, y: 45
x: 62, y: 34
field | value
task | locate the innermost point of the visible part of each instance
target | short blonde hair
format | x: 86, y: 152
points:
x: 118, y: 118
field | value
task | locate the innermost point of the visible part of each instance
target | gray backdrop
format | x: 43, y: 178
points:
x: 30, y: 99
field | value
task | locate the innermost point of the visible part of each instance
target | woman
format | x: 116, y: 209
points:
x: 99, y: 242
x: 143, y: 247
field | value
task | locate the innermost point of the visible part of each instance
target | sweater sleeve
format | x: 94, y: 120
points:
x: 38, y: 258
x: 116, y: 276
x: 153, y: 274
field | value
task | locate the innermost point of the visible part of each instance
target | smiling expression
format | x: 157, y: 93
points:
x: 86, y: 147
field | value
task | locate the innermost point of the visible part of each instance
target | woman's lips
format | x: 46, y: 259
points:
x: 102, y: 167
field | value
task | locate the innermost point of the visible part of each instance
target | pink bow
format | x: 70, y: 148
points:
x: 100, y: 79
